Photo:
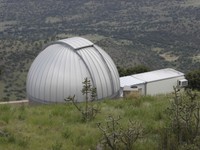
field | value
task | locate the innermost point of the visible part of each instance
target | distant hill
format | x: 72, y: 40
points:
x: 155, y: 33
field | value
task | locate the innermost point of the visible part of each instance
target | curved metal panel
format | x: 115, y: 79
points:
x: 77, y: 42
x: 112, y: 70
x: 59, y: 70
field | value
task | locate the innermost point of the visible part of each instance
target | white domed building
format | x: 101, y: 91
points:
x: 59, y: 70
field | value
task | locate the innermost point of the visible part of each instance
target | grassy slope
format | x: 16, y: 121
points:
x: 47, y: 126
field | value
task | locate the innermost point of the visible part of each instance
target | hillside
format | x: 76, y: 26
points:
x: 155, y: 33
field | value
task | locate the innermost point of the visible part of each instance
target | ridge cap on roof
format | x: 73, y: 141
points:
x: 76, y: 42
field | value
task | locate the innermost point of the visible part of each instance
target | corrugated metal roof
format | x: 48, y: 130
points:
x: 158, y: 75
x: 129, y: 80
x: 77, y: 42
x: 149, y: 77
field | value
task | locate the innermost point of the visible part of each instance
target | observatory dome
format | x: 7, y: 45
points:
x: 59, y: 70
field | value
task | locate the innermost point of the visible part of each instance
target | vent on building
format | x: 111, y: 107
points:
x: 182, y: 83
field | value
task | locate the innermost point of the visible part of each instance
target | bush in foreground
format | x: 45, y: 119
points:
x: 182, y: 131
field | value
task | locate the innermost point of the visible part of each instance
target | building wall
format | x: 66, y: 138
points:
x: 162, y: 86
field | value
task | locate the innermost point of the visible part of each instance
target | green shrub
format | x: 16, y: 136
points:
x: 184, y: 121
x: 116, y: 136
x: 132, y: 70
x: 193, y: 78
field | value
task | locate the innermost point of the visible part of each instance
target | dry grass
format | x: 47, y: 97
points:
x: 195, y: 3
x: 196, y: 58
x: 169, y: 56
x: 53, y: 20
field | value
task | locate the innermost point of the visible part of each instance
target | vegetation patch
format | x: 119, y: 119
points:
x: 196, y: 58
x: 30, y: 127
x: 157, y: 49
x: 169, y: 56
x: 141, y: 123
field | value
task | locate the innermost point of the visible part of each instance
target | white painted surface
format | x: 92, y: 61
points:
x: 15, y: 102
x: 154, y: 82
x: 164, y: 86
x: 130, y: 80
x: 156, y: 75
x: 59, y: 70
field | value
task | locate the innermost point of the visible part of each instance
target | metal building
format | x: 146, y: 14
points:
x: 155, y: 82
x: 59, y: 70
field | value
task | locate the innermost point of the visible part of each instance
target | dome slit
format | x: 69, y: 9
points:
x: 108, y: 69
x: 101, y: 72
x: 95, y: 72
